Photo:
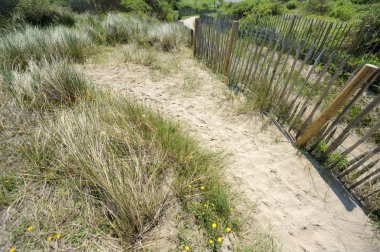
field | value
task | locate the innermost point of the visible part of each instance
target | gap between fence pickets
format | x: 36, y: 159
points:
x: 360, y: 79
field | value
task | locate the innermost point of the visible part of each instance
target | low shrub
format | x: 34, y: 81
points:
x: 19, y: 47
x: 261, y: 7
x: 363, y: 1
x: 342, y: 11
x: 107, y: 5
x: 318, y: 6
x: 42, y: 13
x: 291, y: 5
x: 8, y: 7
x: 137, y: 6
x: 163, y: 10
x: 81, y: 6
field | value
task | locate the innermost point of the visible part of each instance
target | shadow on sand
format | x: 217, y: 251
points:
x: 349, y: 201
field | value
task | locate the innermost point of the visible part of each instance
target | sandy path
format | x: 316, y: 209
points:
x: 290, y: 198
x: 189, y: 22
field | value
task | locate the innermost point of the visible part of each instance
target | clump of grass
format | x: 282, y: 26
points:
x: 327, y: 160
x: 46, y: 85
x: 168, y: 36
x: 190, y: 81
x: 18, y: 47
x: 92, y: 25
x: 140, y: 55
x: 123, y: 29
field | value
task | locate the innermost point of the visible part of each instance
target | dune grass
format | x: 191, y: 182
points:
x: 112, y: 155
x: 18, y: 47
x: 45, y: 85
x: 87, y: 168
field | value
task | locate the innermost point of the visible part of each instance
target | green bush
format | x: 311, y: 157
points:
x: 136, y: 6
x: 363, y: 1
x: 291, y: 5
x: 7, y: 7
x: 81, y: 6
x: 160, y: 8
x: 261, y: 7
x: 107, y: 5
x: 42, y: 13
x: 343, y: 12
x: 318, y: 6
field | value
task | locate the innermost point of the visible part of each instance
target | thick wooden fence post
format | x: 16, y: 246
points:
x: 227, y: 59
x: 360, y: 79
x: 195, y: 36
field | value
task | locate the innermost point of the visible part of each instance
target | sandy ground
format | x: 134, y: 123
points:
x: 189, y: 22
x: 290, y: 198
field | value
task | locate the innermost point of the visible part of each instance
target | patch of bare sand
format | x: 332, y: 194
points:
x: 303, y: 209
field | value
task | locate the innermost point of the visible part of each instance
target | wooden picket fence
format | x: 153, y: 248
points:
x: 357, y: 38
x: 309, y: 97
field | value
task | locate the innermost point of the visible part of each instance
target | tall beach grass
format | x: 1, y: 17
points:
x: 18, y: 47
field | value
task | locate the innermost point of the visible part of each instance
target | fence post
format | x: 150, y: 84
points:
x: 360, y: 79
x: 195, y: 36
x: 227, y: 59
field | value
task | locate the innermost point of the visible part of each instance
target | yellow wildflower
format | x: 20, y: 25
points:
x: 228, y: 230
x: 30, y: 228
x: 202, y: 188
x: 12, y: 249
x: 187, y: 248
x: 50, y: 238
x: 211, y: 241
x: 213, y: 225
x: 58, y: 236
x: 220, y: 239
x: 205, y: 205
x: 6, y: 181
